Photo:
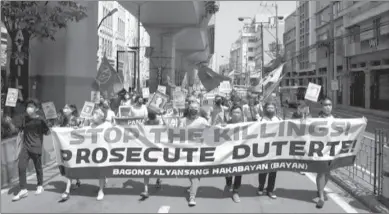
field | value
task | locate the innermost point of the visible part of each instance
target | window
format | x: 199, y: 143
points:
x: 250, y: 49
x: 251, y: 58
x: 252, y: 40
x: 355, y: 34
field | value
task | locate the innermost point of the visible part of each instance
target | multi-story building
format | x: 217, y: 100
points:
x: 242, y: 55
x: 355, y: 35
x: 289, y: 39
x: 224, y: 69
x: 119, y: 33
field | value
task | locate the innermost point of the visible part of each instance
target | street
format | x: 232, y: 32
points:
x: 296, y: 194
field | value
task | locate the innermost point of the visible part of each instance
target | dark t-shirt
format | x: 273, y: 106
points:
x: 34, y: 129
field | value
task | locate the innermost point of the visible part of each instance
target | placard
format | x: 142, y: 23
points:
x: 95, y: 96
x: 49, y: 110
x: 162, y: 89
x: 124, y: 111
x: 129, y: 120
x: 145, y: 92
x: 225, y: 87
x: 12, y: 97
x: 158, y: 102
x: 87, y: 110
x: 313, y: 92
x: 178, y: 99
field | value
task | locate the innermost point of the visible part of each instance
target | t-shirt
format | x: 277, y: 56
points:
x: 137, y: 111
x: 199, y: 122
x: 274, y: 118
x: 218, y: 115
x: 33, y: 131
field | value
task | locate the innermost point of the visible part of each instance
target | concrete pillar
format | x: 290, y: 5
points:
x: 162, y: 59
x: 367, y: 88
x: 346, y: 89
x: 65, y: 69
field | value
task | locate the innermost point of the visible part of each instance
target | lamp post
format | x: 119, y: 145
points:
x: 110, y: 13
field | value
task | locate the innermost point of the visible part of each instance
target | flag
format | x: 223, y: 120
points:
x: 108, y: 79
x: 210, y: 79
x: 272, y: 87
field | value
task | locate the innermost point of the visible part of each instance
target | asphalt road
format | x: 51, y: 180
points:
x: 296, y: 194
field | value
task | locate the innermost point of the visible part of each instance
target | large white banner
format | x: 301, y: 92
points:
x: 315, y: 145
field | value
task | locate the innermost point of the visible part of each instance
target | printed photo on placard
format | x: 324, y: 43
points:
x: 162, y: 89
x: 313, y: 92
x: 146, y: 92
x: 87, y: 110
x: 124, y: 111
x: 95, y: 96
x: 158, y: 102
x: 12, y: 97
x: 178, y: 99
x: 49, y: 110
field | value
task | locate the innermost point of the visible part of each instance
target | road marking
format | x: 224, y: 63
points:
x: 164, y: 209
x: 335, y: 197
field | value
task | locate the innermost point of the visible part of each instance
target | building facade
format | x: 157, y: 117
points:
x: 356, y: 34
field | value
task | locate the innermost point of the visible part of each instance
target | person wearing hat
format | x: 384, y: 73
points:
x: 269, y: 115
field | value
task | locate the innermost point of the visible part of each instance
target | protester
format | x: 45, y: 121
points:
x: 322, y: 178
x: 250, y: 110
x: 126, y: 100
x: 193, y: 120
x: 110, y: 113
x: 236, y: 117
x: 138, y: 109
x: 69, y: 119
x: 152, y: 120
x: 269, y: 115
x: 34, y: 127
x: 98, y: 120
x: 218, y: 111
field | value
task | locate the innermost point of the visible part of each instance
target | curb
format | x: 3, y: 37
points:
x: 359, y: 192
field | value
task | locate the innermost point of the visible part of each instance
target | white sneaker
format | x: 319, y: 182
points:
x: 100, y: 195
x: 39, y: 190
x: 22, y: 194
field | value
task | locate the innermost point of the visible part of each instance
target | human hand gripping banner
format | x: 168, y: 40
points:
x: 313, y: 145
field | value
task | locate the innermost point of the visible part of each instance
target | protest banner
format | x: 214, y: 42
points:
x: 49, y: 110
x: 12, y: 97
x: 95, y: 96
x: 87, y: 110
x: 129, y: 120
x: 313, y: 92
x: 314, y: 145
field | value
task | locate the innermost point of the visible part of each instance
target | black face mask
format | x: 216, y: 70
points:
x: 218, y: 102
x: 193, y: 112
x: 270, y: 114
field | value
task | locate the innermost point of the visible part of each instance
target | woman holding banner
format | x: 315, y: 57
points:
x: 322, y: 178
x: 236, y: 117
x: 68, y: 119
x: 269, y: 115
x: 193, y: 120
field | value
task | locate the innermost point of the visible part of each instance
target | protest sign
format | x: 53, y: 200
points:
x: 178, y: 99
x: 225, y: 87
x: 162, y: 89
x: 313, y: 92
x: 87, y: 110
x: 49, y: 110
x: 146, y: 92
x: 158, y: 102
x: 124, y: 111
x: 129, y: 120
x: 12, y: 97
x: 313, y: 145
x: 95, y: 96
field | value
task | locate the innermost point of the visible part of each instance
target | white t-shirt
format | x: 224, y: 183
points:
x: 137, y: 111
x: 199, y: 122
x: 110, y: 115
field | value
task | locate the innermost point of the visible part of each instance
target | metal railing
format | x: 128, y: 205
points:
x: 9, y: 166
x: 367, y: 170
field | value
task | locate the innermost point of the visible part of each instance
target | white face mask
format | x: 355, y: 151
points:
x: 67, y: 111
x: 30, y: 110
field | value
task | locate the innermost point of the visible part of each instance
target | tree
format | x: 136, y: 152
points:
x: 25, y: 20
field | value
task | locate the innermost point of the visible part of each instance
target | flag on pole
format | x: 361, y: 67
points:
x: 108, y: 79
x: 210, y: 79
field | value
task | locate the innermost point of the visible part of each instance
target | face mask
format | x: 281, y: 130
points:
x: 193, y: 112
x: 67, y: 111
x: 270, y: 114
x: 218, y: 102
x: 30, y: 110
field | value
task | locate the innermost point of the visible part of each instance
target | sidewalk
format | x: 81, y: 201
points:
x: 365, y: 112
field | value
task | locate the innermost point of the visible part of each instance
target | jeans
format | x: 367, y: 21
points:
x: 237, y: 182
x: 194, y: 185
x: 24, y: 158
x: 271, y: 181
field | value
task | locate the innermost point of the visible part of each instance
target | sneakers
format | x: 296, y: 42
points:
x: 100, y: 195
x: 192, y: 201
x: 144, y: 195
x: 22, y: 194
x: 271, y: 195
x: 235, y: 197
x: 39, y: 190
x: 65, y: 196
x: 259, y: 192
x: 319, y: 204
